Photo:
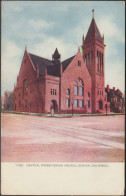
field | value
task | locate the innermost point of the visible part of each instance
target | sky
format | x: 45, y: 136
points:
x: 45, y: 25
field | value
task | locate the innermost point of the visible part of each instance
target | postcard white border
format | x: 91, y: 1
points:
x: 86, y: 179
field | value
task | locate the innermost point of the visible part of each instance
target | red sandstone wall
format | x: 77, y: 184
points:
x: 69, y: 76
x: 97, y: 79
x: 51, y: 82
x: 35, y: 92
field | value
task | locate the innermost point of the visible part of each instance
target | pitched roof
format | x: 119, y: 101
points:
x: 53, y: 68
x: 93, y: 29
x: 118, y: 92
x: 67, y: 62
x: 41, y: 62
x: 112, y: 93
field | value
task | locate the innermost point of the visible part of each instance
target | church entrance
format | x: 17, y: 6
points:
x: 54, y: 103
x: 100, y: 105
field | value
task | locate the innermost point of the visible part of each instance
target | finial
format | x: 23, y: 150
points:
x: 93, y: 13
x: 26, y: 47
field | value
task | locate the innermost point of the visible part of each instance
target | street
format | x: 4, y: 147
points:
x: 26, y: 138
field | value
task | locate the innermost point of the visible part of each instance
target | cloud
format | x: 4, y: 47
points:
x: 61, y: 25
x: 115, y: 74
x: 111, y: 49
x: 110, y: 29
x: 11, y: 8
x: 32, y: 31
x: 10, y: 62
x: 40, y: 24
x: 48, y: 46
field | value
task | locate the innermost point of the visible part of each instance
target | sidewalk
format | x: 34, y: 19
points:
x: 62, y: 115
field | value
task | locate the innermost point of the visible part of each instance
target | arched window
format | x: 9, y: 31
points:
x: 79, y: 91
x: 68, y: 91
x: 79, y: 63
x: 97, y: 62
x: 81, y: 88
x: 53, y: 92
x: 25, y: 84
x: 68, y: 98
x: 88, y: 94
x: 100, y: 105
x: 75, y: 88
x: 88, y: 101
x: 68, y: 102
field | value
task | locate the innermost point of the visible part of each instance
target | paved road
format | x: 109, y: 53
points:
x: 88, y: 139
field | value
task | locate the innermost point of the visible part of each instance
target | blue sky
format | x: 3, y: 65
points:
x: 45, y: 25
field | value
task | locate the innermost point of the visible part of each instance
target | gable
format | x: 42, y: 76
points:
x: 66, y: 62
x: 27, y: 70
x: 74, y: 71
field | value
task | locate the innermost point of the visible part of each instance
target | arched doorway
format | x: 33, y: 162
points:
x: 54, y: 102
x: 100, y: 105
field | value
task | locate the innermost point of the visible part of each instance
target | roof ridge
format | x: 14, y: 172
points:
x: 97, y: 27
x: 68, y: 58
x: 40, y: 57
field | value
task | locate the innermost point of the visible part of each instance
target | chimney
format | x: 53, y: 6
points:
x: 107, y: 88
x: 113, y: 88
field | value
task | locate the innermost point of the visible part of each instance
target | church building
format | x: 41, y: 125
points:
x: 75, y: 84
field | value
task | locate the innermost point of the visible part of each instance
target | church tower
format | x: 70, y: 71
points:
x: 93, y: 54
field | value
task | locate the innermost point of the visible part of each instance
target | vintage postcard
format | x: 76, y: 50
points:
x: 62, y: 97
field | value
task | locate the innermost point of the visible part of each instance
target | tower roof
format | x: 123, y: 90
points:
x: 56, y: 54
x: 92, y: 31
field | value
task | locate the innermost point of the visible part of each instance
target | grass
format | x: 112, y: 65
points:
x: 61, y: 115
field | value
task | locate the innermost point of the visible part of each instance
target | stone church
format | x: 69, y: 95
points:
x: 75, y: 84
